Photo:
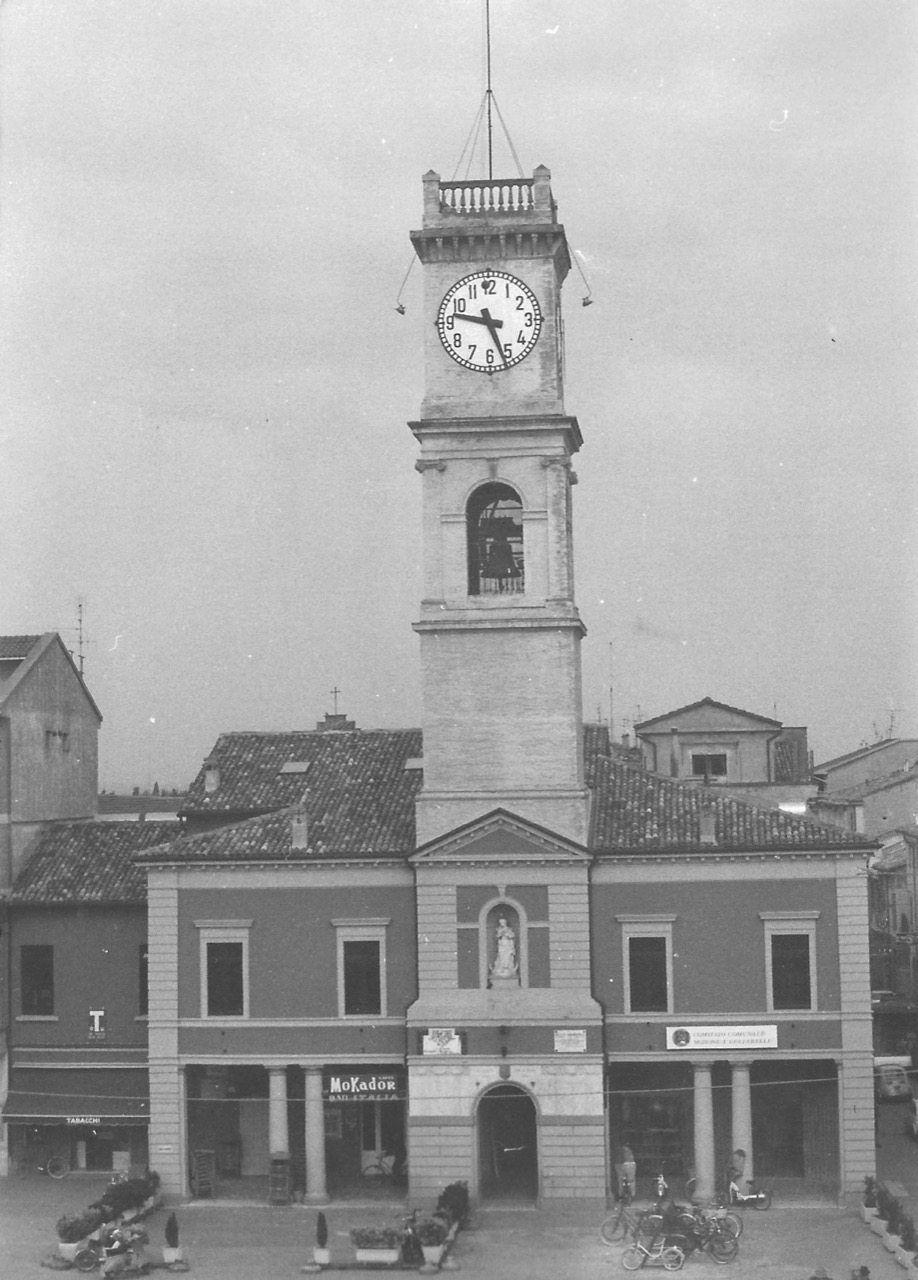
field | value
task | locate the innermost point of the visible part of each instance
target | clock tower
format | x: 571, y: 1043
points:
x: 499, y: 631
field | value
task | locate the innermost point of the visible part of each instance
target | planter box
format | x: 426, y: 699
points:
x: 868, y: 1212
x: 321, y: 1257
x: 171, y: 1255
x: 68, y: 1251
x: 890, y: 1243
x: 877, y: 1226
x: 903, y: 1258
x: 432, y: 1254
x: 387, y: 1256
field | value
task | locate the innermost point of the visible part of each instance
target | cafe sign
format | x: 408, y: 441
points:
x: 362, y: 1086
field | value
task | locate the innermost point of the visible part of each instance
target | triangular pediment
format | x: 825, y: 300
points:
x: 500, y: 837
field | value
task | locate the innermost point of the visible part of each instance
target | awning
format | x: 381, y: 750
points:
x: 81, y: 1096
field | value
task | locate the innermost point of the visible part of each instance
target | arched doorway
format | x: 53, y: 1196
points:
x: 508, y: 1157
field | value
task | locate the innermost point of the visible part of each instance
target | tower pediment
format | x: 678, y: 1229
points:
x: 500, y: 837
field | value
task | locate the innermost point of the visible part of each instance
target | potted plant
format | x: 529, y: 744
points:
x: 171, y: 1251
x: 878, y: 1224
x: 454, y: 1200
x: 869, y: 1207
x: 905, y: 1253
x: 432, y: 1234
x: 73, y: 1229
x: 321, y: 1254
x: 376, y: 1244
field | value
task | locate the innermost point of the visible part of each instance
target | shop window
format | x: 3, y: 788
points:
x: 143, y: 981
x: 361, y: 967
x: 36, y: 971
x: 224, y: 968
x: 790, y: 959
x: 494, y: 526
x: 647, y: 960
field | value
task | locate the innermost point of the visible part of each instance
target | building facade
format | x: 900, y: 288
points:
x: 490, y: 949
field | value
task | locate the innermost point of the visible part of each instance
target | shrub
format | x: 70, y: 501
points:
x: 893, y: 1217
x: 71, y: 1228
x: 870, y: 1192
x: 907, y: 1233
x: 321, y: 1231
x: 431, y: 1231
x: 172, y: 1231
x: 376, y: 1237
x: 884, y: 1202
x: 455, y: 1200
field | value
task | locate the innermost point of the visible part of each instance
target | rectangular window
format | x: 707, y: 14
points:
x: 647, y: 962
x: 790, y: 959
x: 225, y: 997
x: 361, y: 967
x: 647, y: 975
x: 224, y: 968
x: 36, y: 971
x: 790, y: 971
x: 709, y: 766
x: 143, y: 982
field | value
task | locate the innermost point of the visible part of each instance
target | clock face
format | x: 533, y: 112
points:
x: 489, y: 321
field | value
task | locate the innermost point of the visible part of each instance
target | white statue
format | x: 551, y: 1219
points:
x: 504, y: 965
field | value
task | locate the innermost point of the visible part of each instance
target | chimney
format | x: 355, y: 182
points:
x: 674, y: 753
x: 334, y: 721
x: 626, y: 741
x: 211, y: 774
x: 299, y: 828
x: 707, y: 818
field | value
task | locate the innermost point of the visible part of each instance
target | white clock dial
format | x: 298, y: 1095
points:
x: 489, y: 321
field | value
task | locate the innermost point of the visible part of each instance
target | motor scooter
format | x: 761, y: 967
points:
x: 95, y: 1252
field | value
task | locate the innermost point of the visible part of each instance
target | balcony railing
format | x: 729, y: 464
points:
x: 487, y: 196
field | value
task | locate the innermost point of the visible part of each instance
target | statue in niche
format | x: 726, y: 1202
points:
x: 505, y: 963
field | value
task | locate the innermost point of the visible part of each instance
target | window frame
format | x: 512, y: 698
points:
x: 647, y: 926
x: 223, y: 931
x: 371, y: 929
x: 35, y: 1013
x: 143, y: 980
x: 785, y: 924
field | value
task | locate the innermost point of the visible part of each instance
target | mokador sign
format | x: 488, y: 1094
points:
x: 362, y: 1086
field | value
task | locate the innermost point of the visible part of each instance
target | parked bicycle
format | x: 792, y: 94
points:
x: 719, y: 1207
x: 655, y: 1252
x: 706, y: 1234
x: 756, y: 1197
x: 53, y: 1166
x: 622, y: 1220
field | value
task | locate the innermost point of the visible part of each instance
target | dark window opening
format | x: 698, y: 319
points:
x: 647, y: 975
x: 709, y: 766
x: 362, y: 988
x: 494, y: 523
x: 37, y: 978
x: 225, y: 994
x: 143, y: 982
x: 790, y: 971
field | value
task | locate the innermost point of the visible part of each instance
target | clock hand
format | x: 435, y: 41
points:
x: 465, y: 315
x: 493, y: 326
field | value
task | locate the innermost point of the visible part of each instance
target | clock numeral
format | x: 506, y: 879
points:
x: 460, y: 304
x: 473, y: 347
x: 488, y: 286
x: 508, y: 351
x: 457, y: 340
x: 449, y: 321
x: 521, y: 338
x: 527, y: 319
x: 519, y: 302
x: 473, y: 290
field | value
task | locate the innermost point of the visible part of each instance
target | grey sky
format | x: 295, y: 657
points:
x: 206, y: 216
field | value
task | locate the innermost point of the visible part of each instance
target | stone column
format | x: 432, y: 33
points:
x: 278, y: 1136
x: 704, y: 1132
x: 741, y: 1097
x: 316, y: 1192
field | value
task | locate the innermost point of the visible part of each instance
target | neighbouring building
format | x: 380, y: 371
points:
x: 77, y: 938
x: 490, y: 948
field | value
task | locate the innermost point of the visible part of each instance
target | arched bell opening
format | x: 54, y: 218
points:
x: 494, y: 523
x: 508, y: 1154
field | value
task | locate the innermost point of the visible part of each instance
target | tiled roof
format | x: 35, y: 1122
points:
x: 368, y: 762
x: 634, y: 809
x: 89, y: 862
x: 15, y: 648
x: 360, y: 803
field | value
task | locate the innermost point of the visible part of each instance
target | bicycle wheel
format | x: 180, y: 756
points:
x: 672, y: 1258
x: 723, y: 1249
x: 86, y: 1260
x: 762, y: 1200
x: 733, y: 1223
x: 650, y: 1223
x: 58, y: 1167
x: 615, y: 1227
x: 633, y: 1258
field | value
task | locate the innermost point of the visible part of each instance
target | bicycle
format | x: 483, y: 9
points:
x: 718, y: 1209
x: 620, y: 1222
x: 53, y: 1166
x: 708, y: 1235
x: 657, y: 1252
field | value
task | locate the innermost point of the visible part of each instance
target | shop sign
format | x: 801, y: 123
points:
x: 749, y: 1037
x: 569, y: 1041
x: 97, y: 1024
x: 442, y: 1040
x: 164, y: 1148
x: 84, y: 1119
x: 363, y: 1086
